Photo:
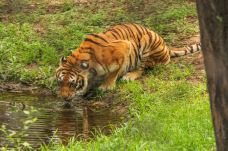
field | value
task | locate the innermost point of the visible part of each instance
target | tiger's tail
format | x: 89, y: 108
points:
x: 186, y: 50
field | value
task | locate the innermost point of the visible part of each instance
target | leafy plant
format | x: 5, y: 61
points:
x: 13, y: 137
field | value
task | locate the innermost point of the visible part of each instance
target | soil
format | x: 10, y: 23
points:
x: 22, y: 88
x: 197, y: 60
x: 111, y: 101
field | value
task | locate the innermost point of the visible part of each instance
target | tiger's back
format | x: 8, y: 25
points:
x: 148, y: 48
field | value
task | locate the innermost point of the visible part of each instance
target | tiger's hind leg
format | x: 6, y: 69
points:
x: 137, y: 73
x: 118, y: 65
x: 110, y: 82
x: 133, y: 75
x: 146, y: 62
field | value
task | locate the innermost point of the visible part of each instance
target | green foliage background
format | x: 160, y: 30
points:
x: 34, y: 34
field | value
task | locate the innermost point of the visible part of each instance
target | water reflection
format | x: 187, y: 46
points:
x: 53, y: 121
x: 85, y: 124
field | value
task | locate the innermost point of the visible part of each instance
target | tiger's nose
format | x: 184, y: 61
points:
x: 66, y: 98
x: 67, y: 102
x: 65, y: 93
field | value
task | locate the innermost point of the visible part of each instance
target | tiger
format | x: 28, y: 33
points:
x: 123, y: 51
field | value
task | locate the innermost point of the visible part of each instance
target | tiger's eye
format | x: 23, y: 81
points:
x: 84, y: 65
x: 74, y: 85
x: 59, y: 81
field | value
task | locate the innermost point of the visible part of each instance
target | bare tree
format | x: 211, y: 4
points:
x: 213, y: 19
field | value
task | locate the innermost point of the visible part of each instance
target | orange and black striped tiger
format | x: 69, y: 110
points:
x: 122, y: 51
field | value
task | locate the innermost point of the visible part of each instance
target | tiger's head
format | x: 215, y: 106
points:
x: 75, y: 74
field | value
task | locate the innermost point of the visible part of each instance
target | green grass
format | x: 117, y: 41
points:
x: 168, y: 112
x: 36, y: 33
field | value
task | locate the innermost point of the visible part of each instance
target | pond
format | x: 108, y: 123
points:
x: 41, y: 119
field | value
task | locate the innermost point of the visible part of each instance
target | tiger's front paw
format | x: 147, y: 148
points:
x: 131, y: 76
x: 106, y: 87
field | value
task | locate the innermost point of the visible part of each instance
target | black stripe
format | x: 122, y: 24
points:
x: 69, y: 61
x: 71, y: 73
x: 116, y: 32
x: 130, y: 62
x: 92, y: 54
x: 126, y: 32
x: 144, y: 47
x: 155, y: 35
x: 94, y: 71
x: 139, y: 39
x: 140, y: 57
x: 158, y: 44
x: 139, y: 44
x: 86, y: 50
x: 146, y: 30
x: 120, y: 32
x: 131, y: 33
x: 145, y: 53
x: 94, y: 42
x: 137, y: 30
x: 127, y: 29
x: 185, y: 52
x: 159, y: 55
x: 80, y: 78
x: 60, y: 71
x: 146, y: 61
x: 76, y: 70
x: 134, y: 49
x: 97, y: 36
x: 150, y: 39
x: 166, y: 56
x: 192, y: 49
x: 113, y: 35
x: 159, y: 51
x: 136, y: 55
x: 68, y: 66
x: 142, y: 29
x: 133, y: 36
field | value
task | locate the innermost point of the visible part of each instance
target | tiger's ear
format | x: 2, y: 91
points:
x: 63, y: 60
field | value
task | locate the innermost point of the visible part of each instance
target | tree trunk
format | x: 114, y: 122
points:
x: 213, y: 20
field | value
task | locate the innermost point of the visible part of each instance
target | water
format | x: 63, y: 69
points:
x: 54, y: 122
